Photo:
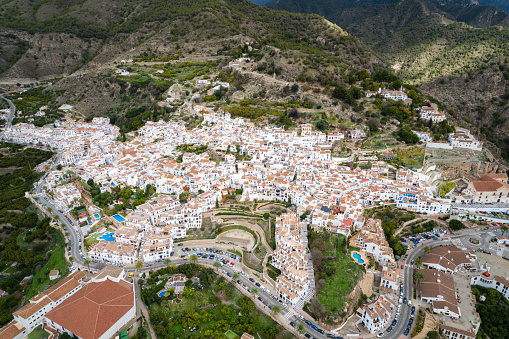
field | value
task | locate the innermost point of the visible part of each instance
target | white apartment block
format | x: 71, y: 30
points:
x: 376, y: 315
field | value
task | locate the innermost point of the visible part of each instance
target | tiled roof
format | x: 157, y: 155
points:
x: 98, y: 306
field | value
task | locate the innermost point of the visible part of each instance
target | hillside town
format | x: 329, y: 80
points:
x: 192, y: 171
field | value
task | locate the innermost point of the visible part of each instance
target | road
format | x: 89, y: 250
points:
x: 11, y: 114
x: 267, y: 300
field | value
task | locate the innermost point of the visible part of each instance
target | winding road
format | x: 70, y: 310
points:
x: 12, y: 112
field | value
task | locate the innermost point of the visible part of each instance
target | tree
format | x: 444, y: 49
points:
x: 426, y: 249
x: 217, y: 265
x: 504, y: 228
x: 139, y: 265
x: 87, y: 262
x: 235, y: 276
x: 193, y: 259
x: 276, y: 310
x: 455, y: 225
x: 418, y: 262
x: 254, y: 291
x: 300, y: 328
x: 167, y: 261
x: 418, y: 277
x: 72, y: 259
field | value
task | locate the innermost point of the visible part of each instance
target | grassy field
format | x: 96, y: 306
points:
x: 38, y: 333
x: 446, y: 188
x: 55, y: 262
x: 410, y: 157
x: 333, y: 296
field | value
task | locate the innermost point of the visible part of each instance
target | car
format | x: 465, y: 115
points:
x: 330, y: 336
x: 394, y: 322
x: 258, y: 284
x: 486, y: 274
x: 313, y: 326
x: 292, y: 324
x: 251, y: 279
x: 193, y: 329
x: 411, y: 321
x: 413, y: 309
x: 400, y: 300
x: 181, y: 244
x: 406, y: 331
x: 379, y: 335
x: 396, y: 317
x: 320, y: 330
x: 389, y: 329
x: 404, y: 300
x: 307, y: 335
x: 260, y: 298
x: 402, y: 265
x: 409, y: 302
x: 308, y: 322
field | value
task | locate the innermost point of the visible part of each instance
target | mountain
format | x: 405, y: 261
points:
x: 52, y: 38
x: 423, y: 39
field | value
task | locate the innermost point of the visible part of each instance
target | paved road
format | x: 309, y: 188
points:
x: 11, y: 114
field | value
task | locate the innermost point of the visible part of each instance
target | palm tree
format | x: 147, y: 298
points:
x: 504, y: 228
x: 193, y: 258
x: 217, y: 264
x: 418, y: 277
x: 276, y: 310
x: 87, y: 262
x: 167, y: 261
x: 418, y: 262
x: 300, y: 328
x: 71, y: 259
x: 235, y: 276
x: 139, y: 265
x: 254, y: 291
x: 426, y: 249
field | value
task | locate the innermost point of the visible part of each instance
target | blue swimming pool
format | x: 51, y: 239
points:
x: 113, y: 184
x: 97, y: 216
x: 118, y: 218
x: 358, y: 257
x: 161, y: 294
x: 107, y: 236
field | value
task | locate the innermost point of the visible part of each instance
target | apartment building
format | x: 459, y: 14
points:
x: 376, y: 314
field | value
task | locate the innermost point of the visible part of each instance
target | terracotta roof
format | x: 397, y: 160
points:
x: 486, y: 186
x: 98, y: 306
x: 11, y: 330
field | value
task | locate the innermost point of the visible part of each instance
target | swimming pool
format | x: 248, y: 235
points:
x: 107, y: 236
x: 161, y: 294
x: 358, y: 257
x: 97, y: 216
x: 118, y: 218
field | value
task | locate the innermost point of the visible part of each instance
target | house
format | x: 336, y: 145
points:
x: 456, y: 333
x: 447, y: 259
x: 376, y: 314
x: 496, y: 282
x: 463, y: 139
x: 390, y: 279
x: 53, y: 274
x: 177, y: 282
x: 31, y: 315
x: 438, y: 289
x: 487, y: 188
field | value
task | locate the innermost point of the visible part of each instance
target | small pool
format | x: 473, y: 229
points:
x: 90, y: 222
x: 97, y: 216
x: 358, y: 257
x: 118, y: 218
x: 108, y: 236
x: 113, y: 184
x: 161, y: 294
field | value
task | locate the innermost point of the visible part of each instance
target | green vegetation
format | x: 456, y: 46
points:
x: 130, y: 199
x: 30, y: 101
x: 391, y: 220
x: 456, y: 225
x: 336, y: 274
x: 446, y: 188
x: 201, y: 305
x: 494, y: 312
x: 55, y: 262
x: 412, y: 157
